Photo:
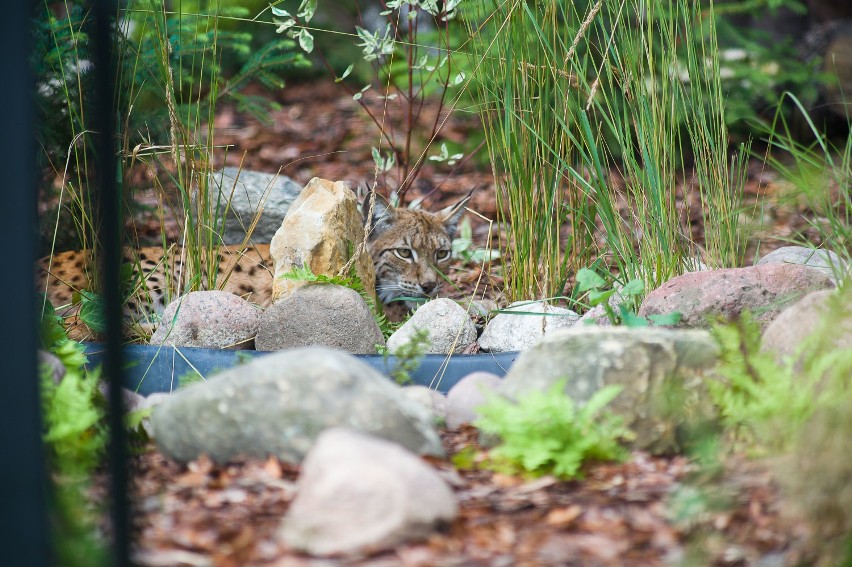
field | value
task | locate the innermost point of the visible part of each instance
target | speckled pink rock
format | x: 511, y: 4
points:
x: 765, y: 290
x: 208, y: 319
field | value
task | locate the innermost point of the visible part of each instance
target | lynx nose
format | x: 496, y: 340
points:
x: 429, y: 287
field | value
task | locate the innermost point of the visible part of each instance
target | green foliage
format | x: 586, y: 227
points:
x: 75, y: 439
x: 463, y: 246
x: 72, y: 418
x: 819, y: 173
x: 197, y: 45
x: 408, y: 356
x: 755, y: 66
x: 761, y: 402
x: 51, y: 332
x: 545, y: 433
x: 407, y: 59
x: 60, y: 48
x: 92, y: 310
x: 630, y: 294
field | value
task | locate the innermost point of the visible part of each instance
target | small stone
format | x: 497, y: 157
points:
x: 208, y: 319
x: 131, y: 400
x: 53, y: 364
x: 468, y: 394
x: 320, y: 314
x: 359, y: 495
x: 450, y: 329
x: 510, y: 332
x: 596, y: 316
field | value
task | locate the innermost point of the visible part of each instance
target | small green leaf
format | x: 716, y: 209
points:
x: 306, y: 40
x: 630, y: 319
x: 588, y: 279
x: 597, y: 297
x: 285, y: 25
x: 633, y: 287
x: 307, y: 9
x: 280, y: 12
x: 345, y: 74
x: 665, y: 319
x: 92, y: 311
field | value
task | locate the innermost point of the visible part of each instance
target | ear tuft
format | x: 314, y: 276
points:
x: 383, y: 213
x: 451, y: 215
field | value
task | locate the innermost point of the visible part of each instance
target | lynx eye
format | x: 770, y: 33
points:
x: 403, y: 253
x: 442, y: 255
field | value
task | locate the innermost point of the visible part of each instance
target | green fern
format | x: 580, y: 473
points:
x: 545, y: 433
x: 761, y: 402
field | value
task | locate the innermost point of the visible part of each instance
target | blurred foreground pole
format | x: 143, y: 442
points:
x: 110, y: 239
x: 23, y: 482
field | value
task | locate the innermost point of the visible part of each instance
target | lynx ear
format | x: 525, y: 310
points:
x: 383, y: 213
x: 451, y: 215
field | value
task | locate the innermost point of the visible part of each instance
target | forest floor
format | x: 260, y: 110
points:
x: 646, y: 511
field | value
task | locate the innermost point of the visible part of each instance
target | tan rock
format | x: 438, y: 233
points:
x: 321, y: 230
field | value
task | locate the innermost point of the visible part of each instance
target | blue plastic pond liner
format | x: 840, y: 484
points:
x: 152, y: 369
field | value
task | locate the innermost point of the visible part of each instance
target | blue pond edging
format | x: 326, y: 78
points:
x: 150, y: 369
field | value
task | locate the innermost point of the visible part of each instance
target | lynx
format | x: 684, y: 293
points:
x: 408, y: 247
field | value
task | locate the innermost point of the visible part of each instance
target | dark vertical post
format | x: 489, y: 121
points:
x: 23, y: 483
x: 110, y: 239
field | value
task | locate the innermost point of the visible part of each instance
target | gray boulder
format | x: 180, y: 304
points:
x: 434, y: 401
x: 247, y: 194
x: 320, y: 314
x: 468, y: 394
x: 279, y: 404
x: 789, y: 332
x: 509, y: 332
x: 765, y: 290
x: 449, y: 326
x: 662, y: 372
x: 359, y: 495
x: 825, y: 261
x: 208, y: 319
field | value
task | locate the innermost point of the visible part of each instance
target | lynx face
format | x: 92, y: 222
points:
x: 410, y: 247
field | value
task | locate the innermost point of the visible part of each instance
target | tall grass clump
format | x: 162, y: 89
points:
x: 170, y: 78
x: 591, y: 110
x: 820, y: 173
x: 174, y: 57
x: 527, y: 95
